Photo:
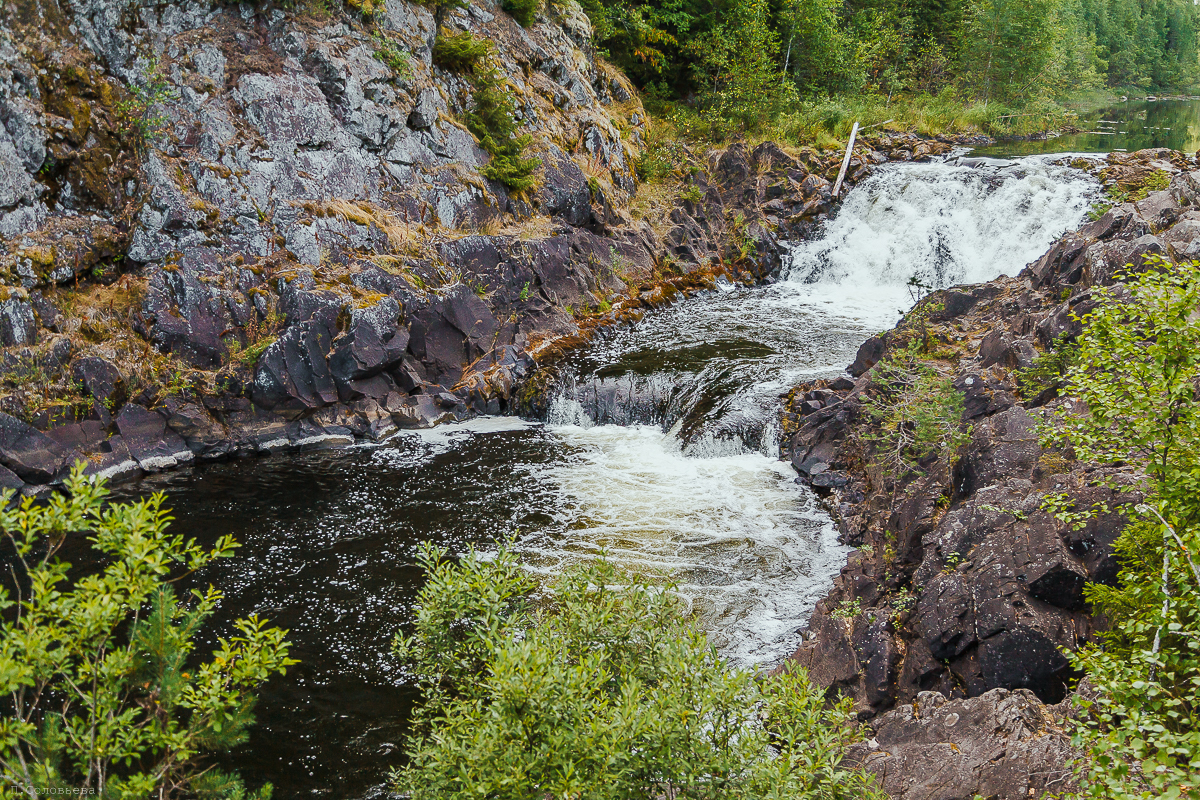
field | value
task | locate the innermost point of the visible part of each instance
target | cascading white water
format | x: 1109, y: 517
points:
x: 943, y: 225
x: 696, y: 489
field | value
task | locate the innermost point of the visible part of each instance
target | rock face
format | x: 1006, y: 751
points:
x: 1000, y: 744
x: 966, y: 587
x: 269, y: 229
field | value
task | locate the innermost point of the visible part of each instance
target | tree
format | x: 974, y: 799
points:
x: 598, y: 688
x: 816, y: 50
x: 1137, y: 375
x: 1007, y: 46
x: 737, y: 59
x: 103, y: 688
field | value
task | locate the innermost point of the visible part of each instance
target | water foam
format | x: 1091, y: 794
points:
x: 942, y: 224
x: 687, y: 481
x: 751, y: 552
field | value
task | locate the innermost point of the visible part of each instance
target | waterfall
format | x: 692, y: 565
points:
x: 944, y: 225
x: 673, y: 423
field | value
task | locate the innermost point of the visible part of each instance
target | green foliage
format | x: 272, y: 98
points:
x: 387, y: 51
x: 103, y: 688
x: 918, y: 413
x: 739, y: 64
x: 142, y: 111
x: 1136, y: 375
x: 745, y: 87
x: 847, y: 610
x: 1135, y: 371
x: 598, y: 688
x: 1144, y: 44
x: 1048, y: 369
x: 523, y: 11
x: 460, y: 52
x: 1008, y: 46
x: 491, y: 119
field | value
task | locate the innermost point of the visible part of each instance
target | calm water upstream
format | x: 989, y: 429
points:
x: 661, y: 449
x: 1129, y: 126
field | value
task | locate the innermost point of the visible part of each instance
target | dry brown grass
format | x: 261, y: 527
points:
x: 402, y: 235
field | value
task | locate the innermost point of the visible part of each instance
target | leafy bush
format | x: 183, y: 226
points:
x: 491, y: 121
x: 142, y: 111
x: 599, y: 688
x: 523, y: 11
x: 387, y: 51
x: 1137, y: 373
x: 1048, y: 369
x: 103, y: 690
x: 919, y: 413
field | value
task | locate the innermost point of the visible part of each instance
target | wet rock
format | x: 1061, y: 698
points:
x: 868, y: 355
x: 148, y: 440
x: 293, y: 374
x: 32, y: 455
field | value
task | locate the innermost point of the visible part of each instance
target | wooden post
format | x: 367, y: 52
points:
x: 837, y: 187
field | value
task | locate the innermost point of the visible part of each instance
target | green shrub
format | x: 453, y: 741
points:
x: 1048, y: 369
x: 918, y: 413
x: 1136, y: 374
x: 387, y: 51
x: 523, y: 11
x: 460, y: 52
x: 598, y: 688
x: 491, y: 121
x: 102, y: 687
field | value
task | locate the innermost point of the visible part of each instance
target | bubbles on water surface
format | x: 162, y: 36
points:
x: 749, y: 549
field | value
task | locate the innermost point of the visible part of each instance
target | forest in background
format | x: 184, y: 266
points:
x: 803, y: 67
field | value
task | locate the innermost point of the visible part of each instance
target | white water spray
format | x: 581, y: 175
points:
x: 943, y: 225
x: 749, y: 548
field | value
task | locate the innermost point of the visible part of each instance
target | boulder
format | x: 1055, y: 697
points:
x: 17, y: 323
x: 32, y: 455
x: 103, y: 382
x: 149, y: 441
x: 293, y: 373
x: 868, y: 355
x: 1002, y: 745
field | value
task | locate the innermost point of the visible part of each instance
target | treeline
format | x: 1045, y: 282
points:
x: 743, y: 57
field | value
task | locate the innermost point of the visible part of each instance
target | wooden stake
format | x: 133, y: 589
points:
x: 837, y: 187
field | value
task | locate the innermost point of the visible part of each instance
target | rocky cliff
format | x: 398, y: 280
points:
x: 228, y: 229
x: 963, y: 586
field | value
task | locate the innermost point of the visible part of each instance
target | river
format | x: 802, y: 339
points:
x: 1123, y: 126
x: 661, y: 449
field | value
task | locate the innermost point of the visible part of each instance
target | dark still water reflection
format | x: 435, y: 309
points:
x: 1130, y: 126
x: 329, y: 543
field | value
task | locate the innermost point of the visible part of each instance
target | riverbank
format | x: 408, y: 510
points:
x: 291, y: 289
x: 962, y: 585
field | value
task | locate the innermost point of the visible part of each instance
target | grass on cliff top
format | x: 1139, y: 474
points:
x: 826, y: 122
